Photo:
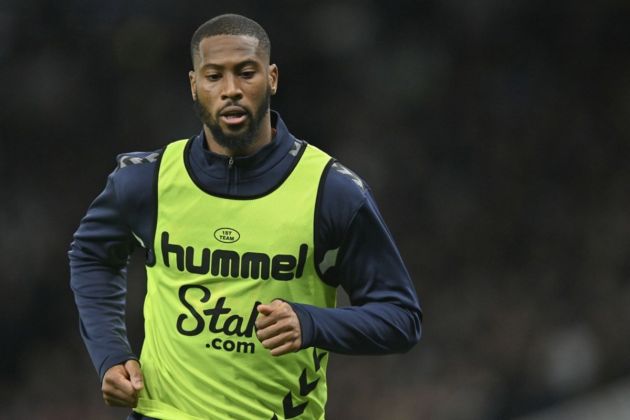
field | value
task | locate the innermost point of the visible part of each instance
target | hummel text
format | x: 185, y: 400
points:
x: 227, y: 263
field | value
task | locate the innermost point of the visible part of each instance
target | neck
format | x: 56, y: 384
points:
x: 263, y: 137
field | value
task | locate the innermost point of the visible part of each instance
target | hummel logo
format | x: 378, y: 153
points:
x: 229, y: 263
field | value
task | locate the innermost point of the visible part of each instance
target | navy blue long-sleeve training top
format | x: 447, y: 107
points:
x: 353, y: 249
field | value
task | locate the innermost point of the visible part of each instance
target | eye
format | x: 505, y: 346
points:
x: 213, y: 76
x: 247, y: 74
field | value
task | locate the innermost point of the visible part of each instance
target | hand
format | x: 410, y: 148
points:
x: 278, y: 328
x: 122, y: 383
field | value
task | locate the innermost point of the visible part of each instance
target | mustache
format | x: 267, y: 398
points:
x: 233, y: 104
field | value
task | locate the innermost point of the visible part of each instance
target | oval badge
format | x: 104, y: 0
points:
x: 227, y: 235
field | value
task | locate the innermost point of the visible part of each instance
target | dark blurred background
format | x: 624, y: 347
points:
x: 495, y: 136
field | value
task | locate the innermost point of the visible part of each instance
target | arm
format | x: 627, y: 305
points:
x: 98, y: 259
x: 385, y: 316
x: 354, y: 249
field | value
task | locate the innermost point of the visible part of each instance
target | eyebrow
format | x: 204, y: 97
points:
x: 239, y: 65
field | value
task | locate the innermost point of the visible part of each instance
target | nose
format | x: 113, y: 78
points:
x: 231, y: 88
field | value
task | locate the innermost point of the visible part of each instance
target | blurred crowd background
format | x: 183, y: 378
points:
x: 495, y: 136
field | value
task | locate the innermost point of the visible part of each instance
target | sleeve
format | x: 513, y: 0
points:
x: 385, y: 315
x: 98, y: 259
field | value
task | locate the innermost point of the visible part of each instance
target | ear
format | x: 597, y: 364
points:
x: 273, y: 78
x: 193, y: 84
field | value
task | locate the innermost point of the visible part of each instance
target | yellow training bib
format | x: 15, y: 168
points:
x: 216, y: 259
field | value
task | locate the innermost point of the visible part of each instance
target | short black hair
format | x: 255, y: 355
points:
x: 230, y: 24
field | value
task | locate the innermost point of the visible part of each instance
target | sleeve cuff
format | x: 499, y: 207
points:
x: 113, y: 361
x: 307, y: 326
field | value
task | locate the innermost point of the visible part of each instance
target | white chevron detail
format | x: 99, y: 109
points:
x: 329, y: 260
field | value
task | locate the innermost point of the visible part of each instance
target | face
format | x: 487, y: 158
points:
x: 231, y: 87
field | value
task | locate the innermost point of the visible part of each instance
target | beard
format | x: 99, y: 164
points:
x: 242, y: 139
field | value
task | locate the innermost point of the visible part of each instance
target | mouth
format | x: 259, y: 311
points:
x: 233, y: 115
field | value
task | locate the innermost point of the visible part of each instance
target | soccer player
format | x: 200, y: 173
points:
x: 248, y: 232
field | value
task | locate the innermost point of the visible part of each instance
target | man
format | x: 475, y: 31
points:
x: 248, y: 232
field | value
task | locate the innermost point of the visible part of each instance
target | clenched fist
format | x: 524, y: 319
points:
x: 122, y: 383
x: 278, y: 328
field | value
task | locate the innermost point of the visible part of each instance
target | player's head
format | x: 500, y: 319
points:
x: 230, y: 24
x: 232, y: 80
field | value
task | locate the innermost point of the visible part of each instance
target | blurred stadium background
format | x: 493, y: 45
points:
x: 494, y: 135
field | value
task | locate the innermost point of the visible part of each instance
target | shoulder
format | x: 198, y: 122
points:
x: 343, y: 184
x: 124, y: 160
x: 133, y: 177
x: 343, y: 193
x: 130, y: 165
x: 345, y: 180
